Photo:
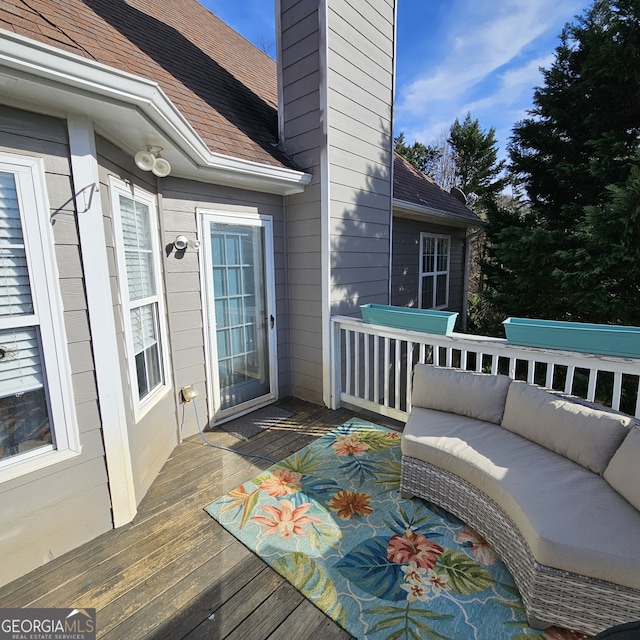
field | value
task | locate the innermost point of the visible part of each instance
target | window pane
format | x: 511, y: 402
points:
x: 20, y: 361
x: 24, y: 423
x: 443, y: 254
x: 441, y: 290
x: 427, y: 292
x: 146, y: 348
x: 428, y: 254
x: 138, y: 248
x: 15, y: 289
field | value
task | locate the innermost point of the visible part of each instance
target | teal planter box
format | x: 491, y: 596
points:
x: 604, y: 339
x: 427, y: 320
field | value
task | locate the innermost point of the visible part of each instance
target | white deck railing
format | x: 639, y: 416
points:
x: 372, y: 364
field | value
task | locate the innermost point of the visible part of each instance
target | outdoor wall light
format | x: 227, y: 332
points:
x: 149, y: 159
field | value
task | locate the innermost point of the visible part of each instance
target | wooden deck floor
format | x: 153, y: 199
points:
x: 173, y: 572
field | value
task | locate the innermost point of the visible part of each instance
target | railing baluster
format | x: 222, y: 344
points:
x: 548, y: 382
x: 531, y: 371
x: 591, y: 390
x: 356, y: 366
x: 617, y: 390
x: 436, y: 355
x: 494, y: 364
x: 463, y: 359
x: 387, y: 364
x: 568, y: 383
x: 409, y: 371
x: 376, y: 370
x: 397, y: 369
x: 512, y: 368
x: 348, y: 363
x: 367, y: 365
x: 449, y: 356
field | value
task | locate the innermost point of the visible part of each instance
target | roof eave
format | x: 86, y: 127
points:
x: 411, y: 210
x: 129, y: 110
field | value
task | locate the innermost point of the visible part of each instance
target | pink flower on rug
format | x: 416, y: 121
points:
x: 349, y: 504
x: 413, y: 547
x: 286, y: 521
x: 282, y: 482
x: 349, y: 445
x: 481, y: 551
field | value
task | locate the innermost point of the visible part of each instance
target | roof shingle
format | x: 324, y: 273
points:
x: 202, y: 64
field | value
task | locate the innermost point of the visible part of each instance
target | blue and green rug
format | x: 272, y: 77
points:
x: 331, y: 521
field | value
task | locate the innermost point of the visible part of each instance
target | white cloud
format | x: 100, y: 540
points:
x: 489, y: 67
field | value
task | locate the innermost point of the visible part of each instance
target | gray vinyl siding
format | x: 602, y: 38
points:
x: 54, y: 509
x: 342, y: 134
x: 304, y: 140
x: 360, y: 85
x: 406, y: 262
x: 180, y: 201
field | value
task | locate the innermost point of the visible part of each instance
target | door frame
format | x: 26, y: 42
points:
x: 205, y: 216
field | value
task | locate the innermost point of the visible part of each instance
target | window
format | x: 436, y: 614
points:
x: 37, y: 423
x: 434, y: 271
x: 139, y: 268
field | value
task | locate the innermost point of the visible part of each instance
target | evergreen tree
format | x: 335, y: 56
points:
x: 476, y: 163
x: 573, y: 252
x: 422, y: 157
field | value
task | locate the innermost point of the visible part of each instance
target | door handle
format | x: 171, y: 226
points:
x: 272, y: 320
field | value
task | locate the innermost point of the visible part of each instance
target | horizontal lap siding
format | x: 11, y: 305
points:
x: 304, y: 141
x: 336, y: 83
x: 406, y: 262
x: 55, y: 509
x: 360, y: 81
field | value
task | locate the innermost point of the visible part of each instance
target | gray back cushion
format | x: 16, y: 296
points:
x: 623, y: 471
x: 476, y: 395
x: 583, y: 434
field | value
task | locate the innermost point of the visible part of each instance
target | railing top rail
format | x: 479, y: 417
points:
x: 495, y: 346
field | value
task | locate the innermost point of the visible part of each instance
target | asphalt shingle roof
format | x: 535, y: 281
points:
x: 224, y: 85
x: 415, y: 187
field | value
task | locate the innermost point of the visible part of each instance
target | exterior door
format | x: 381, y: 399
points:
x: 240, y: 308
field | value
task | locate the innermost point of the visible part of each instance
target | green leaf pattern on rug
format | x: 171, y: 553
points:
x: 465, y: 575
x: 308, y: 577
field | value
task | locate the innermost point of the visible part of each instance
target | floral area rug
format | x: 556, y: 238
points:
x: 331, y: 521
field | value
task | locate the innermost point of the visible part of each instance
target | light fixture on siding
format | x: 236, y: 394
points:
x: 149, y: 159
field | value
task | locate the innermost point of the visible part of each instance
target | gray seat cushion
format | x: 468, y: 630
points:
x: 570, y: 517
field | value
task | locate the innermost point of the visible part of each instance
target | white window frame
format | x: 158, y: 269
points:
x: 436, y: 272
x: 117, y: 188
x: 47, y: 317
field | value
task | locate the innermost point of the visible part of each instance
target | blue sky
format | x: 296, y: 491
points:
x: 453, y: 56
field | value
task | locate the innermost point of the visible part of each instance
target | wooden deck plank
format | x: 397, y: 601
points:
x: 163, y: 575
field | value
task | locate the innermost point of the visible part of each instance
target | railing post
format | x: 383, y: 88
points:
x: 335, y: 375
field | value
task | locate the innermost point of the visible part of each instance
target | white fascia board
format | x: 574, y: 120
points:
x: 407, y: 209
x: 95, y: 80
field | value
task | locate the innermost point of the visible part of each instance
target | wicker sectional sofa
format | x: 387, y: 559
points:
x: 551, y: 482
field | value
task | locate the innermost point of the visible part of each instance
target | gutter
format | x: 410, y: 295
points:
x: 33, y: 61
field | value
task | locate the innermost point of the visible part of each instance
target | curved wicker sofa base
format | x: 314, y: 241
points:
x: 550, y: 596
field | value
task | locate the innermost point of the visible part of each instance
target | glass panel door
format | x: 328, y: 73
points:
x: 240, y: 313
